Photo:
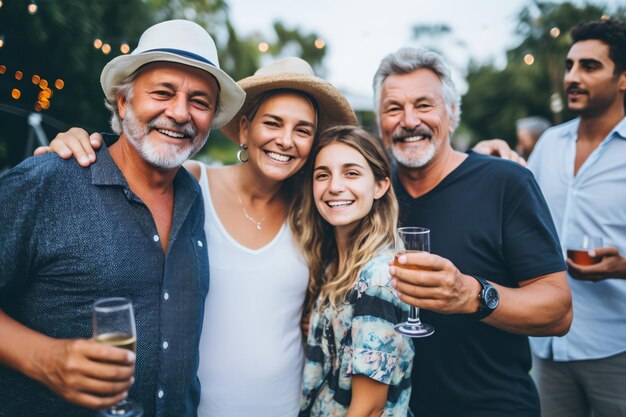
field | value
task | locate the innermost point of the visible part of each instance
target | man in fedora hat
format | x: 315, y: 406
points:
x: 495, y: 273
x: 129, y: 226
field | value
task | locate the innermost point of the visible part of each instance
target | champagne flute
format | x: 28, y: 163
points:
x: 114, y: 325
x: 413, y: 239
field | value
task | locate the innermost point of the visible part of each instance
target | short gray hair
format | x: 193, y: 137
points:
x: 124, y: 88
x: 407, y: 60
x: 535, y: 125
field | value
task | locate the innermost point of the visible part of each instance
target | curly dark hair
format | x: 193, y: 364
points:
x: 611, y: 32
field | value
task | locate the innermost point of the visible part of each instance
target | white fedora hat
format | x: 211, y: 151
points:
x: 183, y: 42
x: 294, y: 74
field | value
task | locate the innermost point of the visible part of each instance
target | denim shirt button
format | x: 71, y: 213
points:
x: 155, y: 238
x: 160, y: 394
x: 200, y: 243
x: 166, y: 296
x: 165, y: 345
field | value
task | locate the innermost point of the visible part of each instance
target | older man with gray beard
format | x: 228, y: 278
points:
x: 129, y: 226
x: 495, y: 274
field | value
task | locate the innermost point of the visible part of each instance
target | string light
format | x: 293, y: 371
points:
x: 0, y: 3
x: 529, y: 59
x: 106, y: 48
x: 124, y: 48
x: 1, y: 41
x: 555, y: 32
x: 97, y: 43
x: 263, y: 47
x: 43, y: 84
x: 319, y: 43
x: 59, y: 84
x: 32, y: 7
x: 16, y: 94
x: 18, y: 75
x: 35, y: 79
x: 3, y: 69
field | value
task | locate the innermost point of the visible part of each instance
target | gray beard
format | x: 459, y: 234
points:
x: 161, y: 155
x: 411, y: 159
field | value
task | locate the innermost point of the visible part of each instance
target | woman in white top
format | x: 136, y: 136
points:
x: 251, y: 353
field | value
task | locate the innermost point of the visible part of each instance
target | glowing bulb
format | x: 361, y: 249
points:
x: 35, y: 79
x: 124, y: 48
x: 555, y: 32
x: 45, y: 105
x: 319, y: 43
x: 106, y: 48
x: 32, y: 8
x: 3, y: 69
x: 43, y: 84
x: 59, y: 84
x: 97, y: 43
x: 529, y: 59
x: 1, y: 41
x: 16, y: 94
x: 263, y: 47
x: 18, y: 75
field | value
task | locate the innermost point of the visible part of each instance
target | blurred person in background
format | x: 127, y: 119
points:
x: 528, y: 130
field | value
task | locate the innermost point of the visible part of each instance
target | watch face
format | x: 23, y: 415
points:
x: 491, y: 298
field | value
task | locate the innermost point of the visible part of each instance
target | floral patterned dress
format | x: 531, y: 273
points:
x: 358, y: 338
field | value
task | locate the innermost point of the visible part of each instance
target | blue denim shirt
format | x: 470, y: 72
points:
x: 69, y: 236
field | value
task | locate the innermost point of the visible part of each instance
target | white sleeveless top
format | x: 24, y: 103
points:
x: 251, y: 354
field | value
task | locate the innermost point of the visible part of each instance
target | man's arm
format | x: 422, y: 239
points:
x: 75, y: 142
x: 74, y: 369
x: 542, y: 306
x: 80, y: 371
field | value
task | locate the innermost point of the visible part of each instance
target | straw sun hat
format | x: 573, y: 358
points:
x: 295, y: 74
x: 183, y: 42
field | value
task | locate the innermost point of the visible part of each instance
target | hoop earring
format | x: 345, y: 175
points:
x: 242, y: 153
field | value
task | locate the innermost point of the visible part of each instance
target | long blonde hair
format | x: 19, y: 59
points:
x: 316, y: 237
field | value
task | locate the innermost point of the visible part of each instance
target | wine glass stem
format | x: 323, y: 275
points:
x: 414, y: 315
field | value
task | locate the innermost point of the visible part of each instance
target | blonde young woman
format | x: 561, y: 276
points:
x: 356, y: 363
x: 251, y: 354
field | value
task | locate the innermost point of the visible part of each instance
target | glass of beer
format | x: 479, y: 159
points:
x: 578, y: 247
x: 413, y: 239
x: 114, y: 325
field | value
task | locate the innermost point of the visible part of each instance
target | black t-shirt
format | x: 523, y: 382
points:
x: 489, y: 218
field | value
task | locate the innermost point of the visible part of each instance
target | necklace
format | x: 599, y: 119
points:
x: 249, y: 217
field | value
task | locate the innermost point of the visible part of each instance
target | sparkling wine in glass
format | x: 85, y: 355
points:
x: 413, y: 239
x: 114, y: 325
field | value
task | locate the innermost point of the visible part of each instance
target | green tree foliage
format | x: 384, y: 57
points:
x: 496, y: 98
x: 57, y: 43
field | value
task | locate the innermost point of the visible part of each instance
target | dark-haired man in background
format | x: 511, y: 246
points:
x: 580, y: 166
x: 581, y: 169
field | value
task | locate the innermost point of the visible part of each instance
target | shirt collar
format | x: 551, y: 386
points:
x: 619, y: 131
x: 106, y: 172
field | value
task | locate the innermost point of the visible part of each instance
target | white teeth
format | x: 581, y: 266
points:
x: 413, y: 139
x: 278, y: 157
x: 171, y: 134
x: 339, y: 203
